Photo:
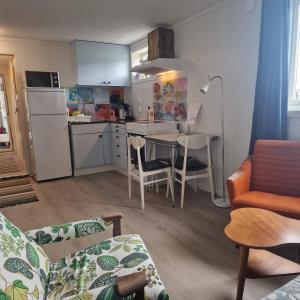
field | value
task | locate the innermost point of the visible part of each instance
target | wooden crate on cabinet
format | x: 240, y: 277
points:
x: 161, y: 43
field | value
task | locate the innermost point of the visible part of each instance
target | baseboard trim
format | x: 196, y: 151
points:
x: 93, y: 170
x: 101, y: 169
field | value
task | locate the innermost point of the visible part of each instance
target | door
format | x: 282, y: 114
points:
x: 118, y: 65
x: 5, y: 132
x: 91, y: 65
x: 51, y: 147
x: 7, y: 102
x: 87, y: 149
x: 19, y: 127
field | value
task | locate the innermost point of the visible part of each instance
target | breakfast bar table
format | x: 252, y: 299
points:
x: 170, y: 140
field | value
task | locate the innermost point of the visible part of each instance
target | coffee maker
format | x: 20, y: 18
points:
x: 125, y: 113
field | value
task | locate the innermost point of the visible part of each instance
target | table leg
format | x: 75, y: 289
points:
x: 244, y: 255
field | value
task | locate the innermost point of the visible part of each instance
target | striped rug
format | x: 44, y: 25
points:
x: 15, y: 184
x: 15, y: 191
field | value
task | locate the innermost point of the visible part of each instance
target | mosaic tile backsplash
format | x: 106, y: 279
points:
x: 98, y: 102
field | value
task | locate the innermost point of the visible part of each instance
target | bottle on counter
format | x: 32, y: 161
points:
x: 150, y: 114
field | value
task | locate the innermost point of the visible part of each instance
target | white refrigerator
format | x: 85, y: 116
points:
x: 49, y: 133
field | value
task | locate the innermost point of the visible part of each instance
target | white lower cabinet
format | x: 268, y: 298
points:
x: 107, y: 147
x: 87, y: 150
x: 120, y: 160
x: 95, y: 148
x: 119, y: 146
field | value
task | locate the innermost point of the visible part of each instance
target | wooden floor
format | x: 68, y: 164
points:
x: 194, y: 258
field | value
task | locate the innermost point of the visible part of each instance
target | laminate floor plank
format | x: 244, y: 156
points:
x: 194, y: 258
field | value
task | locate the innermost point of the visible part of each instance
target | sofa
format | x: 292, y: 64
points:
x: 269, y: 179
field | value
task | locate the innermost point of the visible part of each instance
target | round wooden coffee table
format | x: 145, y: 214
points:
x: 255, y: 231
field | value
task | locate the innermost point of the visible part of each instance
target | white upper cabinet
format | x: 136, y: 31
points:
x: 90, y: 63
x: 118, y: 64
x: 102, y: 64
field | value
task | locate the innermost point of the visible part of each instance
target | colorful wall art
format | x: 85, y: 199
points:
x: 170, y: 99
x: 97, y: 102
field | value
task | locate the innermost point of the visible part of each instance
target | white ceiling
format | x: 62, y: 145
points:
x: 116, y: 21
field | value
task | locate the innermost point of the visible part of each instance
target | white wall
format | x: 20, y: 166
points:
x: 40, y: 56
x: 225, y: 41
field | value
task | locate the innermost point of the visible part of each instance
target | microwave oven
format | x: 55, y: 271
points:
x: 42, y: 79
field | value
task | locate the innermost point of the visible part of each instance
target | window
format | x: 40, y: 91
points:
x: 294, y: 85
x: 139, y: 55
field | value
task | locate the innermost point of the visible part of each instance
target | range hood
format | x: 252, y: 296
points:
x: 157, y: 66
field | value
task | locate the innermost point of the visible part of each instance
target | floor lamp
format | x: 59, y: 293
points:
x: 222, y: 201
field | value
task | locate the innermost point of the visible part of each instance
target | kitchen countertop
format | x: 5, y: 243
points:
x: 95, y: 122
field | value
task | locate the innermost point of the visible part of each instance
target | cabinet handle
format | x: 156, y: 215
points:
x: 108, y: 82
x: 118, y: 146
x: 117, y: 130
x: 117, y: 126
x: 103, y: 82
x: 118, y: 156
x: 117, y: 136
x: 100, y: 136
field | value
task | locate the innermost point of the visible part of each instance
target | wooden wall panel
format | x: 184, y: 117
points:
x: 41, y: 56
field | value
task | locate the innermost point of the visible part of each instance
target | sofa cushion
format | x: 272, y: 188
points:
x: 276, y: 167
x: 285, y: 205
x: 95, y: 270
x: 24, y: 266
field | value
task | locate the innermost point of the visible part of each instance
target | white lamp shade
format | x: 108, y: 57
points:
x: 205, y: 89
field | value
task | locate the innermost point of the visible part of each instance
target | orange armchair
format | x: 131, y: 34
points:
x: 269, y: 179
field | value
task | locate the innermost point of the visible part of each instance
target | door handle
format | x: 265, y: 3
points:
x: 100, y: 136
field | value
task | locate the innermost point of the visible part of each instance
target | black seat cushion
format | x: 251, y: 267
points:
x: 178, y: 159
x: 153, y: 165
x: 191, y: 165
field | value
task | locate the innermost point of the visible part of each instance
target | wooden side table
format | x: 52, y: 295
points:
x: 255, y: 231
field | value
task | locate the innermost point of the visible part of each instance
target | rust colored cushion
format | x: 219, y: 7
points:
x: 285, y: 205
x: 276, y: 167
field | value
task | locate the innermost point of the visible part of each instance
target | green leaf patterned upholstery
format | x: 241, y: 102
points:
x: 27, y: 273
x: 24, y: 266
x: 63, y: 232
x: 97, y: 267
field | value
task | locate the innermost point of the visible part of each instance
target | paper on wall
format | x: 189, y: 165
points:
x: 193, y: 113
